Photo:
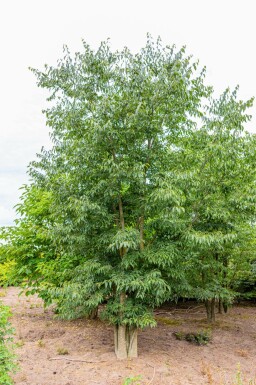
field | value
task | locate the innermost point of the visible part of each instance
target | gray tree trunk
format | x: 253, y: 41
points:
x: 125, y: 341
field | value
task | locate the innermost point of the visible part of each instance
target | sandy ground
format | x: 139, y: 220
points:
x: 163, y: 360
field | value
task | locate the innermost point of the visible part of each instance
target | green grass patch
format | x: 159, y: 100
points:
x: 168, y: 321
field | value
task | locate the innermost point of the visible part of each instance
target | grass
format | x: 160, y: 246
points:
x: 41, y: 343
x: 62, y: 351
x: 20, y: 343
x: 239, y: 380
x: 208, y: 371
x: 169, y: 321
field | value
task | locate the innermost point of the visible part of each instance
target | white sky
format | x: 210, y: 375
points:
x: 220, y: 33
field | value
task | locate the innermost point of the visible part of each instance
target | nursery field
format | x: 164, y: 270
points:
x: 81, y: 352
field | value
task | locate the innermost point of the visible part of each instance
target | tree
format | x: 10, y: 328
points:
x: 220, y: 190
x: 148, y: 193
x: 116, y: 119
x: 28, y: 249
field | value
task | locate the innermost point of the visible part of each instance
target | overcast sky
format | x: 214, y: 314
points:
x: 220, y: 33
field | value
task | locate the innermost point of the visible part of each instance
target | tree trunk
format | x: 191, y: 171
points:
x: 125, y: 337
x: 125, y: 341
x: 208, y: 312
x: 93, y: 314
x: 213, y: 310
x: 225, y: 307
x: 220, y: 306
x: 210, y: 309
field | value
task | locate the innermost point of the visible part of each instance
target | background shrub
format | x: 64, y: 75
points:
x: 8, y: 363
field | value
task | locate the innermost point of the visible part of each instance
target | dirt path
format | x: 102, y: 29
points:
x: 53, y: 352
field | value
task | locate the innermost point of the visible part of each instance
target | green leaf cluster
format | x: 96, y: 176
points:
x: 8, y: 363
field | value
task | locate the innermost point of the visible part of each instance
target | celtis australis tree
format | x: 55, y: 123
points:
x: 116, y: 118
x: 219, y: 160
x: 28, y: 251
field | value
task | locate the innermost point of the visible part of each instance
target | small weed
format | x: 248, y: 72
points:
x: 62, y: 351
x: 20, y: 343
x: 199, y: 338
x: 206, y: 370
x: 2, y: 293
x: 41, y: 343
x: 132, y: 380
x: 242, y: 353
x: 180, y: 336
x: 239, y: 379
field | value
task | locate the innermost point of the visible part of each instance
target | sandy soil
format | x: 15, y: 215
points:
x: 163, y: 360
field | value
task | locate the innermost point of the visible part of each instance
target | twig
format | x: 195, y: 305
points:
x: 75, y: 360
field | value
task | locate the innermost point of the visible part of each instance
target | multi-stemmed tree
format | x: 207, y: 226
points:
x: 147, y: 194
x: 116, y: 119
x: 220, y: 200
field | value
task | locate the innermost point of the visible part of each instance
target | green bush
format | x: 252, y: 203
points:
x: 198, y: 338
x: 8, y: 274
x: 8, y: 363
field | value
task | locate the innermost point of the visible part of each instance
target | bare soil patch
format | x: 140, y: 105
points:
x: 81, y: 352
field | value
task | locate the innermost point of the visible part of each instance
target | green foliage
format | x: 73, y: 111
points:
x: 7, y: 359
x: 132, y: 380
x: 148, y: 192
x: 62, y: 351
x: 8, y: 276
x: 199, y: 338
x: 28, y: 252
x: 132, y: 314
x: 218, y: 161
x: 116, y: 208
x: 179, y: 335
x: 169, y: 321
